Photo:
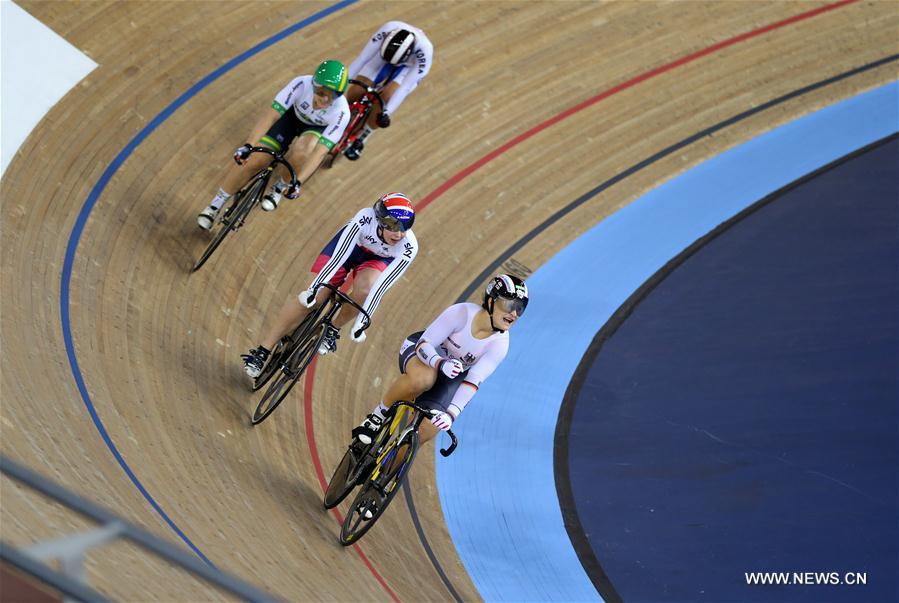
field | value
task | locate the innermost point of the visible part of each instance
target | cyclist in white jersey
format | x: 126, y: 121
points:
x: 377, y: 246
x: 443, y: 366
x: 311, y: 107
x: 397, y: 57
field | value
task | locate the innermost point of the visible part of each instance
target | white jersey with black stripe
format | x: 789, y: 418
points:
x: 362, y: 231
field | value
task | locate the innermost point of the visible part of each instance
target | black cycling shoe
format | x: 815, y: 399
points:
x: 354, y: 151
x: 329, y: 343
x: 254, y: 361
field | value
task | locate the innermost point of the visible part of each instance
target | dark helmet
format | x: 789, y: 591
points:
x: 397, y: 46
x: 510, y: 290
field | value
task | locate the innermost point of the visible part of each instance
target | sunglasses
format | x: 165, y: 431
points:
x: 392, y: 224
x: 322, y: 91
x: 512, y: 304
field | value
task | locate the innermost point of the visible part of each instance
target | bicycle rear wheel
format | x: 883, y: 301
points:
x: 291, y: 371
x: 242, y: 205
x: 377, y: 492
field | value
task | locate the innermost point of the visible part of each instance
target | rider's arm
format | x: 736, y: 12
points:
x: 284, y: 99
x: 481, y: 369
x: 450, y: 320
x: 279, y: 105
x: 338, y: 118
x: 345, y: 245
x: 387, y: 279
x: 419, y: 64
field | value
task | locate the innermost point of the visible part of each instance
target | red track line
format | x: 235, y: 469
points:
x: 319, y: 472
x: 465, y: 172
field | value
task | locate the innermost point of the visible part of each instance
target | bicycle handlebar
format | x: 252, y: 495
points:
x: 278, y: 158
x: 430, y: 411
x: 346, y: 299
x: 370, y: 90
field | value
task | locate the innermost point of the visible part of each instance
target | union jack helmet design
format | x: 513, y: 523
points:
x: 395, y: 212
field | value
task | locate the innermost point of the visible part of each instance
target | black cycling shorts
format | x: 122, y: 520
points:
x: 441, y: 393
x: 285, y: 129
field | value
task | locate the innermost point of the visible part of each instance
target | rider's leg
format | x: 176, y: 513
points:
x: 289, y: 316
x: 417, y: 379
x: 238, y: 175
x: 363, y: 279
x: 297, y: 155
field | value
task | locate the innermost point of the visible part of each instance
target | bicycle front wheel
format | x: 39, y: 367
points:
x: 291, y: 371
x: 286, y: 346
x: 380, y: 489
x: 242, y: 208
x: 345, y: 476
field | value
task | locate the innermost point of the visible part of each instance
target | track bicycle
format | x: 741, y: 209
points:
x: 379, y: 468
x: 359, y: 112
x: 234, y: 215
x: 293, y: 354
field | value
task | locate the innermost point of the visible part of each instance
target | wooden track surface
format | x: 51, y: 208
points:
x: 159, y: 348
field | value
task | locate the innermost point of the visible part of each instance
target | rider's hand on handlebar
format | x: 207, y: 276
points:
x: 442, y: 421
x: 357, y: 329
x: 451, y: 367
x: 307, y: 298
x: 383, y: 120
x: 242, y: 153
x: 293, y: 191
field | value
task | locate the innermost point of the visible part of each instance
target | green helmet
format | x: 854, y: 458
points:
x: 332, y: 75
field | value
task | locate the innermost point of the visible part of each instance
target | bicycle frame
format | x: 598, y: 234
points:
x: 235, y: 215
x: 363, y: 108
x: 402, y: 408
x: 301, y: 349
x: 389, y: 458
x: 336, y: 305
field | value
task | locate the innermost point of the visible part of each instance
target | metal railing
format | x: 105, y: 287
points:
x: 70, y: 549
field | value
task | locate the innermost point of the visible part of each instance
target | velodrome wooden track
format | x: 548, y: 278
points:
x: 158, y: 349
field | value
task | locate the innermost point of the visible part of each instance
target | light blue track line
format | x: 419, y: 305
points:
x: 89, y: 203
x: 498, y: 490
